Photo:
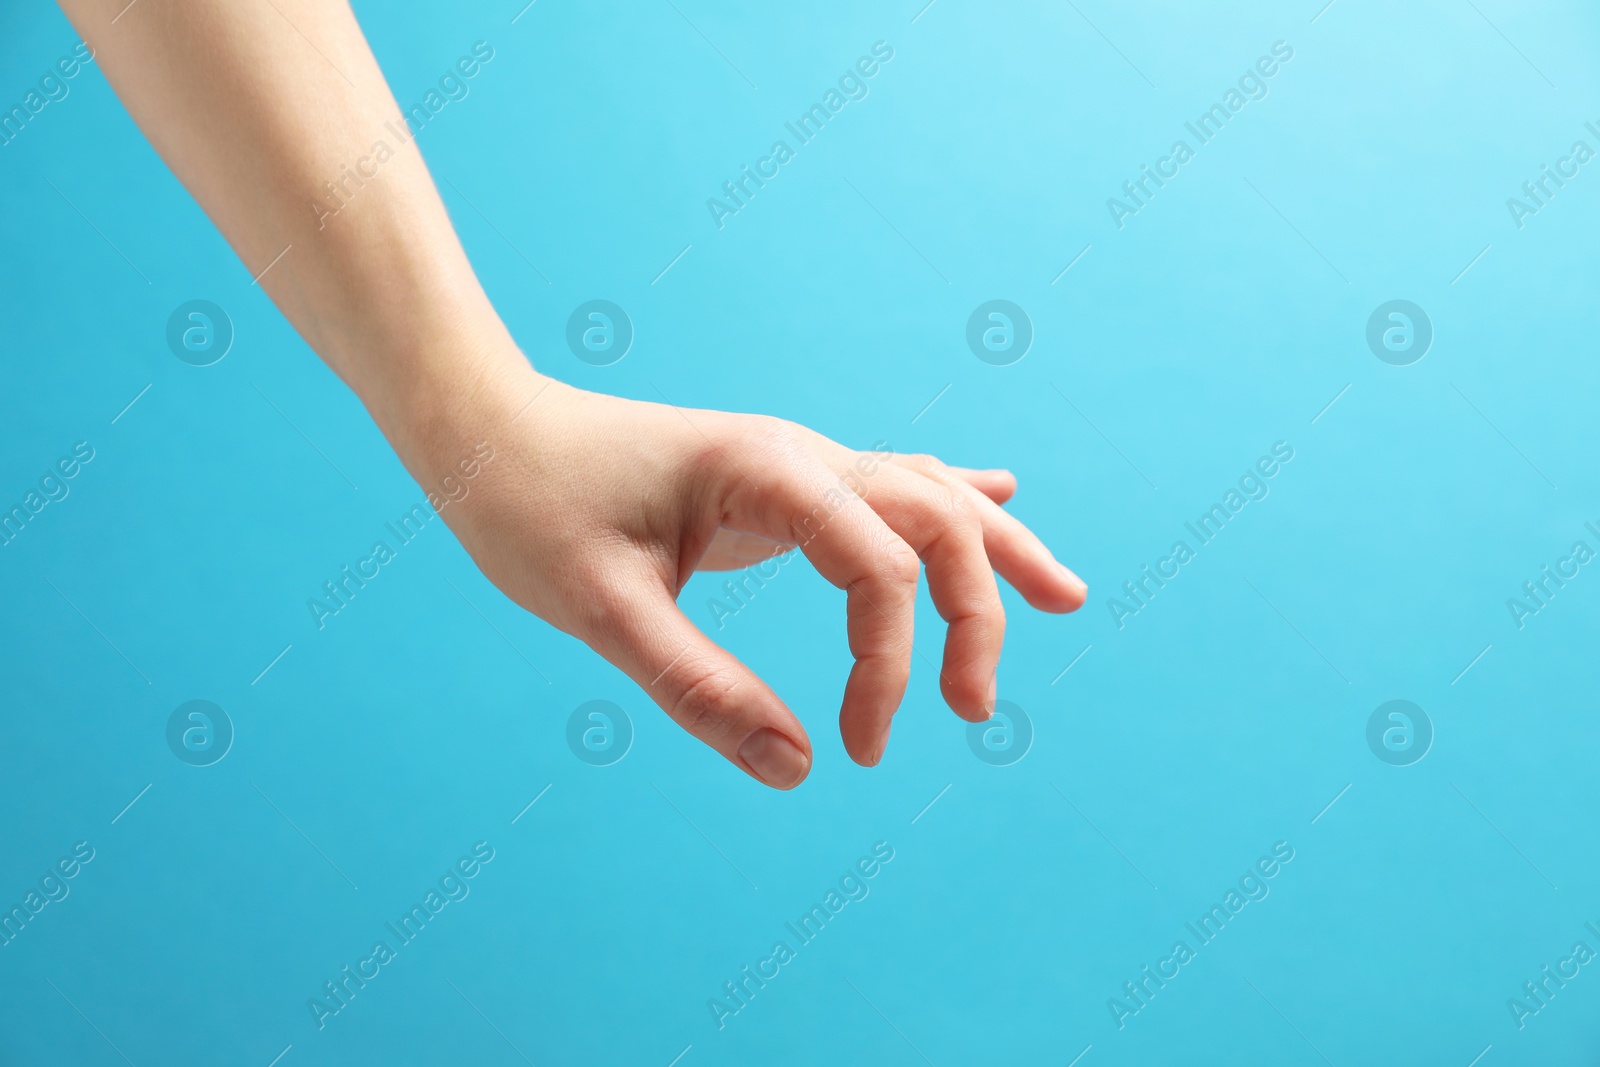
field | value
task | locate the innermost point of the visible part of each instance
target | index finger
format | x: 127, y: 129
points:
x: 798, y: 499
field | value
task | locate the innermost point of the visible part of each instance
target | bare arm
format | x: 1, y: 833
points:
x: 255, y: 107
x: 594, y: 511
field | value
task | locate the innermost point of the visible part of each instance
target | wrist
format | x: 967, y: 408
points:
x: 389, y: 301
x: 439, y: 399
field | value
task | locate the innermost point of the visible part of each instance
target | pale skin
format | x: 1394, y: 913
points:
x: 595, y: 510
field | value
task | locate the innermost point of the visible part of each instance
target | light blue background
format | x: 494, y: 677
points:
x: 1223, y: 318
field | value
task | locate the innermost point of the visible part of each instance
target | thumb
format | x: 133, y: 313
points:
x: 706, y: 690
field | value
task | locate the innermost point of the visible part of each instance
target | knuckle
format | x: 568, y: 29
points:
x: 706, y: 705
x: 948, y: 513
x: 775, y: 435
x: 901, y: 564
x: 892, y: 667
x: 959, y: 508
x: 990, y: 610
x: 774, y: 451
x: 927, y: 464
x: 876, y: 642
x: 597, y: 607
x: 979, y: 605
x: 770, y: 443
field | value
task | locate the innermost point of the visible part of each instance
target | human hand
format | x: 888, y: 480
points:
x: 596, y: 510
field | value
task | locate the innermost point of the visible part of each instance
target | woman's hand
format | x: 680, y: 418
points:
x: 596, y: 510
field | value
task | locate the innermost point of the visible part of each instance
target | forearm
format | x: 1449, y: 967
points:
x: 258, y: 109
x: 601, y: 507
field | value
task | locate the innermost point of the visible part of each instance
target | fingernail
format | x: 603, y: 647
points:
x: 994, y: 689
x: 883, y: 746
x: 774, y: 758
x: 1082, y: 585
